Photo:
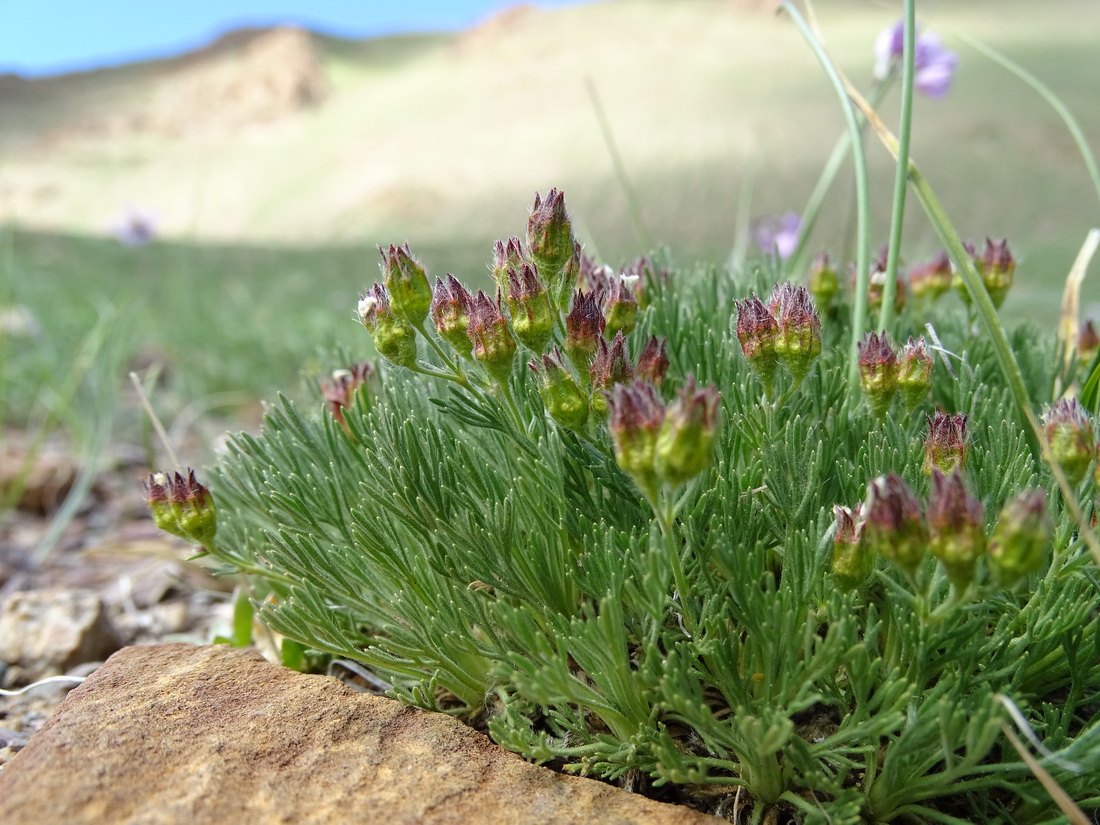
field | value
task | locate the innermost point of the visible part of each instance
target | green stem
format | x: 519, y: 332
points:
x: 824, y: 183
x: 620, y: 169
x: 897, y: 217
x: 666, y: 514
x: 863, y: 250
x: 452, y: 365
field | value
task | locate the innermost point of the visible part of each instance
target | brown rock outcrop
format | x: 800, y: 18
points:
x: 183, y: 734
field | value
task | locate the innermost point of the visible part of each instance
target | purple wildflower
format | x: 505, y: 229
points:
x: 778, y: 235
x: 934, y: 65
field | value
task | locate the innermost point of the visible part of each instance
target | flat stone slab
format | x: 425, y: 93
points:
x: 189, y: 734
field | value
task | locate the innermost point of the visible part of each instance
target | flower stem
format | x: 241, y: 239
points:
x: 897, y: 217
x: 859, y: 156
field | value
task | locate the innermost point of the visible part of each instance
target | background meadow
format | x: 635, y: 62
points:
x: 267, y: 219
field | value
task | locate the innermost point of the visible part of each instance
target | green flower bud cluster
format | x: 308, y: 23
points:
x: 536, y: 282
x: 995, y: 266
x: 787, y: 328
x: 891, y: 523
x: 655, y: 444
x: 945, y: 446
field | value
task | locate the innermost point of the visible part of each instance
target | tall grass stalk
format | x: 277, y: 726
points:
x: 897, y: 215
x: 863, y: 206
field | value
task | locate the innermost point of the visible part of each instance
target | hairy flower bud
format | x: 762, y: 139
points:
x: 563, y: 398
x: 824, y: 284
x: 852, y: 560
x: 798, y: 342
x: 493, y: 345
x: 892, y: 523
x: 914, y: 372
x: 584, y: 326
x: 685, y: 443
x: 550, y: 240
x: 956, y: 522
x: 945, y: 447
x: 609, y: 367
x: 450, y: 313
x: 1022, y: 535
x: 930, y: 280
x: 997, y: 268
x: 636, y: 414
x: 529, y: 305
x: 757, y: 331
x: 507, y: 255
x: 878, y: 372
x: 410, y: 294
x: 182, y: 507
x: 393, y: 337
x: 619, y: 307
x: 1070, y: 438
x: 653, y: 361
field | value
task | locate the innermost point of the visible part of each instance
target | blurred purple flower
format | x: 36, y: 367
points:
x: 135, y: 228
x: 778, y: 235
x: 934, y: 66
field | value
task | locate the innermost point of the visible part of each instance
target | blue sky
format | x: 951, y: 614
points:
x: 49, y: 36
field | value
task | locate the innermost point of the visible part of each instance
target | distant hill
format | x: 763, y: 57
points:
x: 287, y: 136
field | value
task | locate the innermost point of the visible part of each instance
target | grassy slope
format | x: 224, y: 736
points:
x: 442, y: 140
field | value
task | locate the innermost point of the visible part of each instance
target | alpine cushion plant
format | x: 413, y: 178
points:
x: 640, y: 551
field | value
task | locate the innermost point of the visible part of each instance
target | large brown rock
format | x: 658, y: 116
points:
x: 184, y: 734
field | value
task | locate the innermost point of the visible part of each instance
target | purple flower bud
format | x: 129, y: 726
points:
x: 1069, y: 437
x: 892, y: 522
x: 584, y: 326
x: 393, y: 337
x: 653, y: 361
x: 339, y: 392
x: 410, y: 294
x: 876, y: 284
x: 550, y: 240
x: 956, y: 522
x: 182, y: 507
x: 450, y: 313
x: 1021, y: 537
x: 636, y: 414
x: 619, y: 306
x: 533, y: 319
x: 945, y: 447
x: 798, y: 341
x: 609, y: 367
x: 824, y: 284
x: 507, y: 255
x: 493, y: 345
x: 685, y: 443
x: 1088, y: 343
x: 852, y: 560
x: 914, y: 372
x: 757, y: 331
x: 563, y: 398
x: 930, y: 280
x: 878, y: 372
x: 998, y: 269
